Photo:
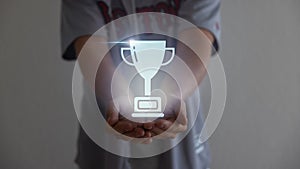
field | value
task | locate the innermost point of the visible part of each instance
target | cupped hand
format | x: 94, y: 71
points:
x: 125, y: 129
x: 174, y: 122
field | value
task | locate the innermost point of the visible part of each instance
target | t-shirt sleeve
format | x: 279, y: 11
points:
x: 204, y: 14
x: 78, y: 18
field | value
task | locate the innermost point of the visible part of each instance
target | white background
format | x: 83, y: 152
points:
x: 260, y: 128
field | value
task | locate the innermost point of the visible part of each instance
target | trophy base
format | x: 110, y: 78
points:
x: 147, y: 107
x: 147, y: 115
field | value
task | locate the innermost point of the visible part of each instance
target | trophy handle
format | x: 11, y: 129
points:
x: 172, y: 56
x: 123, y: 57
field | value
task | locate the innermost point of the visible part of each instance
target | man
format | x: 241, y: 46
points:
x: 81, y: 18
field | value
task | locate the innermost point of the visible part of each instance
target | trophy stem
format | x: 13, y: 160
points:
x: 147, y: 85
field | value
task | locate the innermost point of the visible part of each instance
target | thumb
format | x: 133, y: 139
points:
x: 112, y: 114
x: 181, y: 114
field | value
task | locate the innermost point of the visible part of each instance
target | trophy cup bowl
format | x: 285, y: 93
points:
x: 147, y: 58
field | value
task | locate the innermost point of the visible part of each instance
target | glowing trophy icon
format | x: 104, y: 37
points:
x: 147, y: 57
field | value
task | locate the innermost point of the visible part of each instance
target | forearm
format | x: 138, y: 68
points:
x: 200, y: 41
x: 97, y: 75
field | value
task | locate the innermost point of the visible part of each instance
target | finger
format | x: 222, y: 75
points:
x: 123, y: 126
x: 157, y: 131
x: 177, y: 128
x: 145, y: 140
x: 168, y: 128
x: 110, y: 129
x: 136, y: 133
x: 148, y: 126
x: 147, y: 134
x: 162, y: 134
x: 140, y: 132
x: 163, y: 124
x: 130, y: 135
x: 152, y: 133
x: 181, y: 114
